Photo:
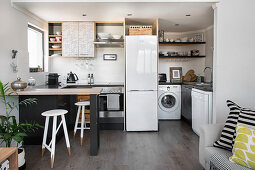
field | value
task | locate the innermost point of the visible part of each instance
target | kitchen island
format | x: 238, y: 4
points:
x: 60, y: 98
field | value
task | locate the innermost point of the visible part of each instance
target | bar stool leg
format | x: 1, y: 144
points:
x: 82, y: 123
x: 53, y: 140
x: 66, y: 134
x: 77, y: 120
x: 45, y: 134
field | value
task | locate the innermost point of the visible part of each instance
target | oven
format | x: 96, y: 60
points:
x: 111, y: 108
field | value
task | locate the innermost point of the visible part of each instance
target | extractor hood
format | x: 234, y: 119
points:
x: 101, y: 43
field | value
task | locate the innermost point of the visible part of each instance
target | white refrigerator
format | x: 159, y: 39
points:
x: 141, y: 83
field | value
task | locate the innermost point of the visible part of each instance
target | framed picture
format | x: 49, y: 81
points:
x: 176, y: 74
x: 110, y: 57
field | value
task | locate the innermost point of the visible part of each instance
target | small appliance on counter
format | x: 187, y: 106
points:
x: 53, y: 80
x: 162, y: 77
x: 71, y: 77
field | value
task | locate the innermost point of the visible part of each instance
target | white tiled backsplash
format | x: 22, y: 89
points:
x: 103, y: 70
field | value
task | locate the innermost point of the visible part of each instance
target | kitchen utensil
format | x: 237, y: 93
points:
x: 56, y: 46
x: 104, y: 35
x: 194, y: 52
x: 116, y: 36
x: 18, y: 85
x: 31, y: 81
x: 184, y: 39
x: 71, y: 77
x: 52, y: 39
x: 162, y: 77
x: 58, y: 39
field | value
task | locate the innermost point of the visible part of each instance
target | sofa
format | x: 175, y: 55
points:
x: 213, y: 158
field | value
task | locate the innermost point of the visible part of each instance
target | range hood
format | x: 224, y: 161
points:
x: 118, y: 43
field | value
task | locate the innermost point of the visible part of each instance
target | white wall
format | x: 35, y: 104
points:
x: 104, y: 71
x: 13, y: 35
x: 235, y: 59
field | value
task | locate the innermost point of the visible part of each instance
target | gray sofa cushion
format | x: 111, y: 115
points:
x: 220, y: 161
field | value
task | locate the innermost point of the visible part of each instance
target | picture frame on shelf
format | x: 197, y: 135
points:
x: 176, y: 74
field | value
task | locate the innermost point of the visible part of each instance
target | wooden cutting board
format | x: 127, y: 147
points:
x: 190, y: 76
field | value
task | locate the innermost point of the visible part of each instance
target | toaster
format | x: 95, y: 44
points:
x: 162, y: 77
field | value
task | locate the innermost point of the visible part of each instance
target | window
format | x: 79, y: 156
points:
x: 35, y: 49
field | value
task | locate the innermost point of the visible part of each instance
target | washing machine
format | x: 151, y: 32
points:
x: 169, y: 102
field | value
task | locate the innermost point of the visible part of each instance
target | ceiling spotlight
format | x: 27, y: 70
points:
x: 188, y: 15
x: 176, y: 25
x: 84, y: 15
x: 129, y: 15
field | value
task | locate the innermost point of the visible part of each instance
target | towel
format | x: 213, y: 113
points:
x: 113, y: 102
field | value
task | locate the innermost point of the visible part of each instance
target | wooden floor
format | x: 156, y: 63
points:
x: 174, y: 147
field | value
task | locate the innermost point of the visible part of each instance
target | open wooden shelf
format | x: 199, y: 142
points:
x: 179, y: 43
x: 200, y: 56
x: 55, y: 35
x: 55, y: 49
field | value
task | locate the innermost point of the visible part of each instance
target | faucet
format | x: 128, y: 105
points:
x: 211, y: 72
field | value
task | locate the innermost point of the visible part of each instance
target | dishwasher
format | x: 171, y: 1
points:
x: 201, y: 109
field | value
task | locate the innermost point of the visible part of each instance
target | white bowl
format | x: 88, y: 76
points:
x: 116, y: 36
x: 104, y: 35
x: 56, y: 46
x: 52, y: 39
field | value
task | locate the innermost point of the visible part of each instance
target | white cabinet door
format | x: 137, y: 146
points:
x: 86, y: 39
x: 70, y: 39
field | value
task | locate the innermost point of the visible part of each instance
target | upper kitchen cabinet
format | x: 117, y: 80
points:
x: 86, y: 39
x: 138, y: 26
x: 78, y: 38
x: 109, y: 34
x: 70, y: 39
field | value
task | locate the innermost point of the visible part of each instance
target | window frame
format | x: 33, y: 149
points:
x: 39, y: 30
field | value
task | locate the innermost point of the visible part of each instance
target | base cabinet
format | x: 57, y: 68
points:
x: 186, y: 103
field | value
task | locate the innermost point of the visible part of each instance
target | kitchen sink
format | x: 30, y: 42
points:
x: 204, y: 84
x: 76, y: 86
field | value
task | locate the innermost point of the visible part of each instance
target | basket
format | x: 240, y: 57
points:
x: 140, y: 30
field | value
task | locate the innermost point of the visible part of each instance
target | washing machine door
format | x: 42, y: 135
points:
x: 168, y: 102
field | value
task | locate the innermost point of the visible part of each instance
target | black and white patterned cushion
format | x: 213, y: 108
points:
x: 228, y: 132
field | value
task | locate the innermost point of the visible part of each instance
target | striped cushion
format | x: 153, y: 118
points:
x: 247, y: 118
x: 228, y: 132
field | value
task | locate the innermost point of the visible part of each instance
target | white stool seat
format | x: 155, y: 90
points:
x: 82, y: 103
x: 55, y: 112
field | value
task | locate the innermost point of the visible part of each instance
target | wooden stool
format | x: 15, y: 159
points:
x: 81, y: 105
x: 51, y: 147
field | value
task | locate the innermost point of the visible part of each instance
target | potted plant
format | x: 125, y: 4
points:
x: 10, y: 129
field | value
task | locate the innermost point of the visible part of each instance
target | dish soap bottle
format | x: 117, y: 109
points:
x: 89, y: 79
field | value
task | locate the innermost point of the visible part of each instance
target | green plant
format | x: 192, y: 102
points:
x: 9, y: 128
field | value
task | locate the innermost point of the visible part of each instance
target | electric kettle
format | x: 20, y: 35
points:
x: 71, y: 77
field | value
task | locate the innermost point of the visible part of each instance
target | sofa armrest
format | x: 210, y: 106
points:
x: 208, y: 135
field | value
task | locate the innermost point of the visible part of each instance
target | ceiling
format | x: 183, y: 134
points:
x: 169, y: 14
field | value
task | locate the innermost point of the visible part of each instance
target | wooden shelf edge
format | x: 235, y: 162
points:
x: 55, y: 35
x: 55, y: 49
x: 55, y: 42
x: 179, y: 43
x: 201, y: 56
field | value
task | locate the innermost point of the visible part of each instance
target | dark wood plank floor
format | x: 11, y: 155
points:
x: 174, y: 147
